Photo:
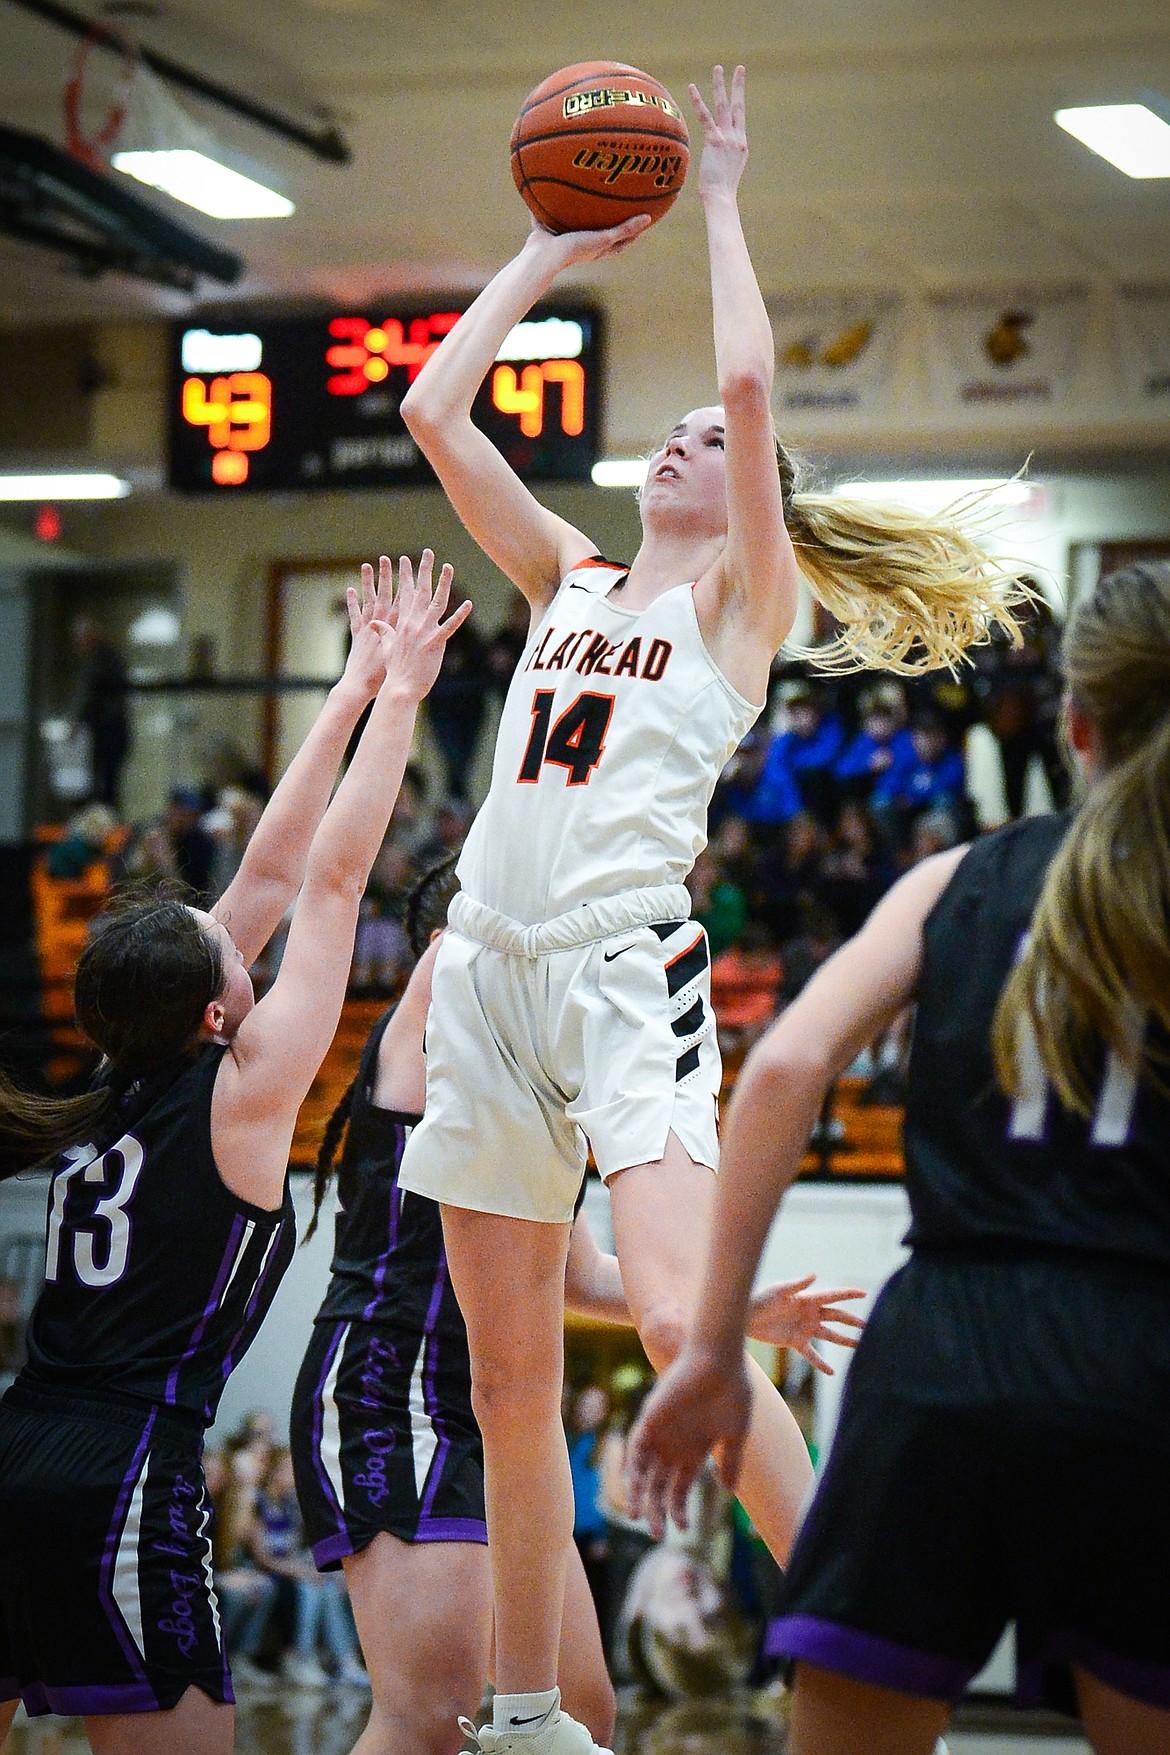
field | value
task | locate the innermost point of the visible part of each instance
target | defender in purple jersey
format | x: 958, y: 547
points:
x: 386, y: 1448
x: 1004, y: 1441
x: 169, y: 1221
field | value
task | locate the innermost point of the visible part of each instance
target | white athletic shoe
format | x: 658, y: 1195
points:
x: 561, y: 1735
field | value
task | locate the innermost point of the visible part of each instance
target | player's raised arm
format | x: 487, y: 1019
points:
x: 754, y: 583
x: 273, y: 867
x: 278, y: 1048
x: 529, y: 543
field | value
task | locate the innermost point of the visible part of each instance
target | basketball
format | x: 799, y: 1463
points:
x: 595, y: 144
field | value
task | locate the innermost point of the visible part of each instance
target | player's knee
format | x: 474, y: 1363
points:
x: 662, y: 1327
x: 504, y: 1395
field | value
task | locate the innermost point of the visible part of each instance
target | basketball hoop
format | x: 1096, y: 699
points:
x: 94, y: 149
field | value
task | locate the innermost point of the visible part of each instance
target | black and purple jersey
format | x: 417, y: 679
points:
x: 157, y: 1276
x: 383, y: 1435
x: 981, y: 1169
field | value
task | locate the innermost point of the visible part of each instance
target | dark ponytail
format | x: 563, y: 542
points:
x: 147, y: 974
x: 326, y: 1158
x: 424, y: 914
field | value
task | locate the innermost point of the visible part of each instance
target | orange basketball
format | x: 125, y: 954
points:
x: 596, y: 143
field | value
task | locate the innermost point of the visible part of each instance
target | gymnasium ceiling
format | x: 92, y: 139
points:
x: 896, y: 144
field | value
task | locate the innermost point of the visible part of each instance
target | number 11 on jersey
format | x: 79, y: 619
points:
x: 576, y: 740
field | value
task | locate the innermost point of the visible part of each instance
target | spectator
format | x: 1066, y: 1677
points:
x: 719, y: 905
x: 276, y: 1541
x: 91, y: 835
x: 506, y: 646
x: 882, y: 741
x: 458, y: 701
x: 789, y: 875
x: 855, y: 871
x: 797, y: 772
x: 231, y: 824
x: 931, y: 775
x: 819, y: 936
x: 1024, y: 691
x: 102, y: 707
x: 935, y: 831
x: 587, y: 1417
x: 192, y: 848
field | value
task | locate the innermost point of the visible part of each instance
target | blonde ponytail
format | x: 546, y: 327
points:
x: 1099, y: 948
x: 911, y: 592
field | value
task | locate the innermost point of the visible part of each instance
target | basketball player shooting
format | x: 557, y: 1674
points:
x: 571, y: 1000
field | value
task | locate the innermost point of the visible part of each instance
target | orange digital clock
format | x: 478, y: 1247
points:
x: 298, y: 402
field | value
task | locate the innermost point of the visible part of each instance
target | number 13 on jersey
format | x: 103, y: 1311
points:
x: 575, y: 741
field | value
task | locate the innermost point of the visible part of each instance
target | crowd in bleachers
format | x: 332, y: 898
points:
x: 842, y: 784
x: 283, y: 1621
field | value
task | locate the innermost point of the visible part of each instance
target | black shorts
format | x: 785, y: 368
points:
x: 1002, y: 1455
x: 106, y: 1600
x: 384, y: 1440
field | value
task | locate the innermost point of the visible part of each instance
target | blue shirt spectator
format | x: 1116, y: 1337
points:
x: 931, y: 775
x: 798, y: 769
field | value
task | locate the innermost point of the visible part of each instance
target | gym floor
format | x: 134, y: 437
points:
x: 303, y: 1723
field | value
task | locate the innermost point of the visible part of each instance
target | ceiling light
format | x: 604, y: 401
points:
x: 1130, y: 136
x: 63, y: 487
x: 203, y: 183
x: 620, y: 472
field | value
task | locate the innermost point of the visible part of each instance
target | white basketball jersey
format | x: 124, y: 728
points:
x: 615, y: 729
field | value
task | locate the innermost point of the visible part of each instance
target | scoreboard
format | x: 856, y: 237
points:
x: 283, y: 403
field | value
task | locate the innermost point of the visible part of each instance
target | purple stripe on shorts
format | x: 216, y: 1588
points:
x: 43, y: 1697
x: 332, y: 1548
x: 270, y: 1256
x: 430, y: 1393
x: 1130, y: 1676
x: 318, y: 1423
x: 109, y: 1560
x: 371, y: 1309
x: 867, y: 1658
x: 225, y: 1268
x: 451, y: 1529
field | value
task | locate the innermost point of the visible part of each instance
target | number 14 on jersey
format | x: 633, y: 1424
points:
x: 574, y: 741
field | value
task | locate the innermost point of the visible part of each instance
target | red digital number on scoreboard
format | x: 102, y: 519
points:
x: 362, y: 353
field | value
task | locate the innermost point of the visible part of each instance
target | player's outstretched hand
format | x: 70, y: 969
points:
x: 797, y: 1314
x: 700, y: 1405
x: 725, y: 145
x: 365, y: 667
x: 414, y: 635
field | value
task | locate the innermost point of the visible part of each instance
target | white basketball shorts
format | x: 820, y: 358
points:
x: 539, y: 1049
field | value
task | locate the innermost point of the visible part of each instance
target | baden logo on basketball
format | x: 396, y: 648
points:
x: 611, y: 165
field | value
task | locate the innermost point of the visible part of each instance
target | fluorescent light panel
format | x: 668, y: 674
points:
x: 933, y: 496
x: 1130, y: 136
x: 620, y: 472
x: 201, y: 182
x: 63, y: 487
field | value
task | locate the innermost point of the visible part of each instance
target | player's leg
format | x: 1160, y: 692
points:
x: 1117, y: 1724
x: 661, y: 1214
x: 423, y: 1613
x: 586, y: 1690
x: 509, y: 1277
x: 7, y: 1714
x: 196, y: 1726
x: 834, y: 1715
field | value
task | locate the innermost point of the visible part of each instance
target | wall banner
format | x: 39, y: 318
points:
x: 835, y: 354
x: 1143, y: 320
x: 1017, y: 350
